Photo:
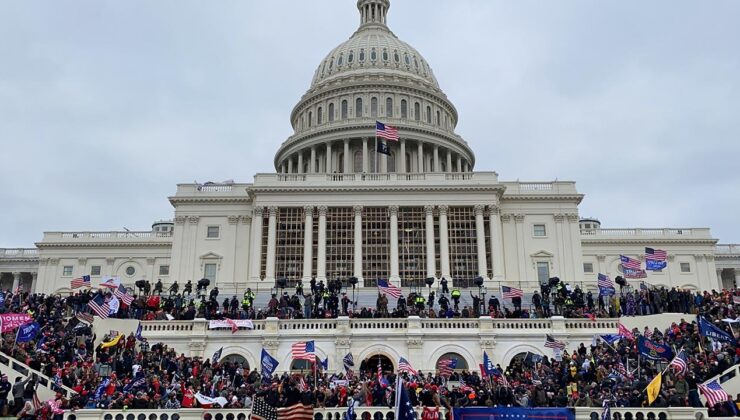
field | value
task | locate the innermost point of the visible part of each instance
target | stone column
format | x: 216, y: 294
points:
x: 358, y: 244
x: 401, y: 160
x: 311, y: 167
x: 255, y: 246
x: 299, y: 169
x: 420, y: 157
x: 393, y: 210
x: 271, y: 245
x: 436, y: 159
x: 34, y: 278
x: 737, y: 278
x: 321, y: 257
x: 481, y: 240
x: 328, y: 158
x: 308, y: 243
x: 459, y: 163
x: 431, y: 262
x: 365, y: 162
x: 290, y: 164
x: 497, y: 242
x: 449, y: 160
x: 347, y: 169
x: 444, y: 244
x: 16, y: 281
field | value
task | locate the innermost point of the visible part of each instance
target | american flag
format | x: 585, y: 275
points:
x: 386, y: 131
x: 303, y: 350
x: 511, y: 292
x: 261, y: 410
x: 36, y: 402
x: 99, y: 306
x: 463, y: 386
x: 122, y: 294
x: 713, y: 392
x: 85, y: 317
x: 605, y: 281
x: 655, y: 254
x: 552, y: 343
x: 54, y: 405
x: 679, y: 362
x: 302, y: 384
x: 629, y: 263
x: 111, y: 282
x: 623, y: 370
x: 295, y: 412
x: 83, y: 281
x: 445, y: 366
x: 405, y: 366
x: 624, y: 332
x: 387, y: 287
x: 500, y: 377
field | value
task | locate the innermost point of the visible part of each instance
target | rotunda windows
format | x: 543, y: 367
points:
x: 331, y: 64
x: 358, y: 108
x: 362, y: 55
x: 340, y: 60
x: 344, y: 109
x: 396, y: 57
x: 406, y: 59
x: 331, y: 112
x: 385, y: 55
x: 351, y: 57
x: 404, y: 109
x: 416, y: 64
x: 429, y: 115
x: 417, y: 111
x: 389, y: 107
x: 373, y: 55
x: 319, y: 116
x: 374, y: 107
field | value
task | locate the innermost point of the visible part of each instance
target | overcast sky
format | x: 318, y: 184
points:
x: 106, y: 105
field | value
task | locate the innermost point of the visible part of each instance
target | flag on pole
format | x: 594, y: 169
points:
x: 630, y: 263
x: 100, y: 307
x: 27, y: 332
x: 610, y: 338
x: 445, y: 366
x: 85, y: 317
x: 606, y: 286
x: 707, y: 329
x: 138, y: 335
x: 217, y: 356
x: 269, y: 364
x: 261, y: 410
x: 607, y: 413
x: 655, y: 259
x: 552, y: 343
x: 634, y: 274
x: 653, y: 389
x: 122, y: 293
x: 113, y: 305
x: 508, y: 292
x: 405, y: 366
x: 383, y: 148
x: 110, y: 282
x: 83, y: 281
x: 303, y: 350
x: 385, y: 286
x: 679, y: 362
x: 404, y: 410
x: 624, y: 332
x: 386, y: 131
x: 714, y: 393
x: 488, y: 366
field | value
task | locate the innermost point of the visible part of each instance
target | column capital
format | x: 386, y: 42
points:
x: 443, y: 209
x: 393, y: 210
x: 479, y: 209
x: 180, y: 220
x: 193, y: 219
x: 273, y: 210
x: 559, y: 217
x: 323, y: 210
x: 506, y: 217
x: 519, y: 217
x: 16, y: 274
x: 494, y: 209
x: 429, y: 210
x: 233, y: 219
x: 308, y: 210
x: 601, y: 257
x: 357, y: 209
x: 346, y: 141
x: 258, y: 212
x: 572, y: 217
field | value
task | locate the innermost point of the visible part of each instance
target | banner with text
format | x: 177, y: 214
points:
x: 222, y: 323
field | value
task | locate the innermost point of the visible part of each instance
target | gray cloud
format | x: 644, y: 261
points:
x: 105, y: 106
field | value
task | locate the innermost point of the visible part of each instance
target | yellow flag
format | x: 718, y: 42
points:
x: 653, y: 389
x: 112, y: 342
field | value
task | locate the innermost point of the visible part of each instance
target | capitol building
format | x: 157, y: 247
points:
x: 335, y: 208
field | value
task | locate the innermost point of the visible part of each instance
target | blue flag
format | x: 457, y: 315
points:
x: 101, y: 388
x: 707, y: 329
x: 610, y: 338
x: 607, y: 291
x: 350, y: 414
x: 325, y: 364
x: 488, y: 364
x: 2, y: 298
x: 41, y: 342
x: 217, y: 355
x: 655, y: 265
x: 383, y: 148
x: 404, y: 410
x: 137, y: 335
x: 27, y: 332
x: 652, y: 350
x: 269, y: 364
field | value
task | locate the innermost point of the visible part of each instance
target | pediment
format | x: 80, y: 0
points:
x: 542, y: 254
x: 211, y: 256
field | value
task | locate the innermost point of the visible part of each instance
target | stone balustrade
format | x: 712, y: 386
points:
x: 367, y: 413
x: 693, y: 233
x: 14, y: 253
x: 728, y: 249
x: 14, y: 368
x: 464, y: 178
x: 86, y: 236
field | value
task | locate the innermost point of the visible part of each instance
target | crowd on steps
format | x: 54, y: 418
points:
x: 136, y: 374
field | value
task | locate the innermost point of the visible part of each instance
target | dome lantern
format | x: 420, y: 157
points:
x: 373, y: 12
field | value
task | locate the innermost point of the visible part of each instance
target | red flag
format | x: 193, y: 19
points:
x: 232, y: 324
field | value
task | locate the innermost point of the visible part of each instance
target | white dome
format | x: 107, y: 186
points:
x: 376, y: 48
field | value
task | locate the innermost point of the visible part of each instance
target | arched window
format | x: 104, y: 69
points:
x: 429, y: 114
x: 358, y: 161
x: 310, y: 118
x: 358, y: 108
x: 344, y: 109
x: 417, y: 111
x: 319, y: 116
x: 389, y: 107
x: 374, y: 107
x: 331, y: 112
x: 404, y: 110
x: 439, y: 119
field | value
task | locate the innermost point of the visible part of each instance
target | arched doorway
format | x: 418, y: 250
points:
x: 370, y: 364
x: 237, y: 359
x: 301, y: 365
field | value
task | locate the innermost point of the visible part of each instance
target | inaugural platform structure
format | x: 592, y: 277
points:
x: 334, y: 208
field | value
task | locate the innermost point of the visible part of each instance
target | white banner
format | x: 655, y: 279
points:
x: 211, y: 401
x: 223, y: 323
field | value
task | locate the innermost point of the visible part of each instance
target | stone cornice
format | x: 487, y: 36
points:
x: 575, y: 198
x: 377, y: 188
x: 648, y: 241
x: 209, y: 199
x: 42, y: 245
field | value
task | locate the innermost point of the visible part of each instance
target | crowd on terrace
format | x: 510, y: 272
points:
x: 136, y: 374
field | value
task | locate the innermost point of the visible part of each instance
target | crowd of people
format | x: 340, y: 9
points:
x: 137, y: 374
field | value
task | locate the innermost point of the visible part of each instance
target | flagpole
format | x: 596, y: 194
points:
x: 376, y: 151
